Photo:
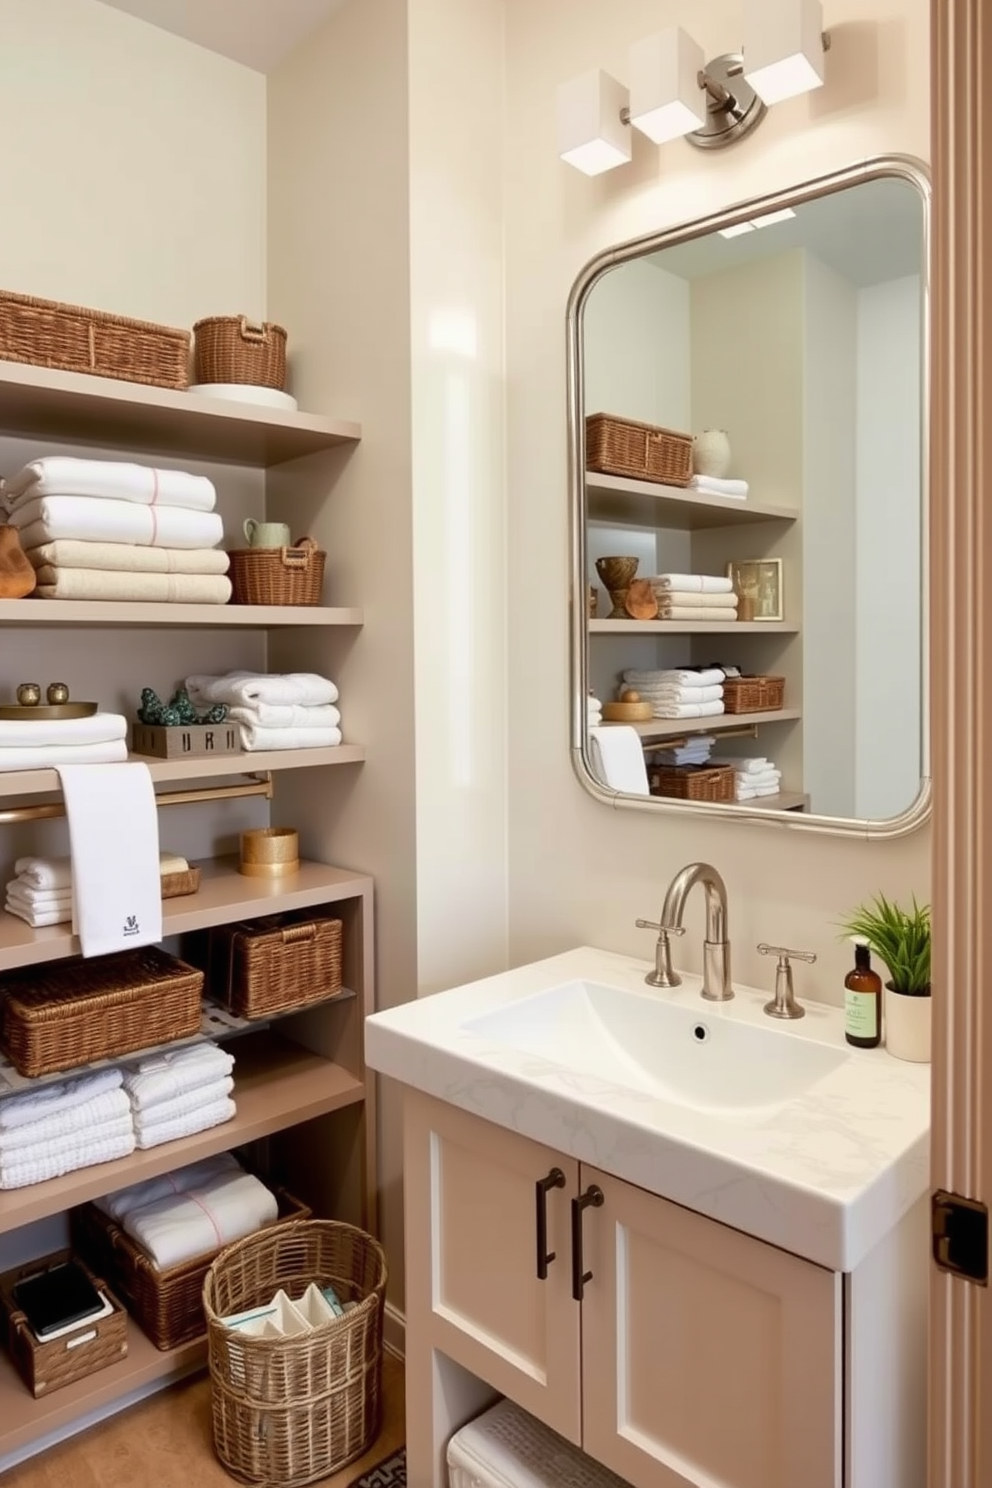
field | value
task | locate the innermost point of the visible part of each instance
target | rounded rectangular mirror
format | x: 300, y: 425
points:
x: 747, y: 423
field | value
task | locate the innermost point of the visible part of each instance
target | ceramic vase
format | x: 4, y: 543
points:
x: 907, y: 1026
x: 711, y: 453
x: 616, y: 574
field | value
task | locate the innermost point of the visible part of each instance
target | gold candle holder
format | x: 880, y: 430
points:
x: 269, y: 852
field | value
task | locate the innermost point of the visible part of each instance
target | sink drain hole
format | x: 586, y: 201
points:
x: 700, y: 1033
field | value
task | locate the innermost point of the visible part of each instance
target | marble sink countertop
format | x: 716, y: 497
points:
x: 825, y: 1176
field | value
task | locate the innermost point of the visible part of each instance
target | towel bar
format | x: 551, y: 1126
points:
x: 255, y: 786
x: 746, y: 731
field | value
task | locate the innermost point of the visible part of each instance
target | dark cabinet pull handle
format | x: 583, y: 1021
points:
x: 591, y: 1199
x: 555, y: 1179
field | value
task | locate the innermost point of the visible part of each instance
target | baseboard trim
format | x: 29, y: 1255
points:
x: 394, y: 1331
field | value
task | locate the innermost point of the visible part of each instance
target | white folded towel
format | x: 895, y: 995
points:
x: 139, y: 588
x: 757, y: 792
x: 253, y: 737
x: 50, y: 757
x: 686, y: 710
x: 91, y: 519
x: 113, y: 835
x: 711, y: 485
x: 181, y: 1105
x: 35, y: 1105
x: 56, y: 873
x: 38, y: 919
x: 287, y: 715
x: 197, y: 1175
x: 682, y: 694
x: 246, y: 689
x: 176, y: 1229
x: 202, y: 1119
x: 113, y: 480
x: 698, y: 613
x: 162, y: 1077
x: 752, y: 765
x: 618, y: 759
x: 105, y: 1144
x: 695, y: 600
x: 57, y: 733
x: 682, y: 677
x: 71, y: 1144
x: 32, y: 898
x: 113, y: 557
x: 693, y: 583
x: 67, y: 1124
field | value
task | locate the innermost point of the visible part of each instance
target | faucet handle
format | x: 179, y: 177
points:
x: 661, y: 929
x: 783, y: 952
x: 784, y: 1004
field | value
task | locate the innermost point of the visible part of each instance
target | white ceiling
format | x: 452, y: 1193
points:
x: 257, y: 33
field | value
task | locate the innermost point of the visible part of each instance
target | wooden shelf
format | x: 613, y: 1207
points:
x: 15, y: 783
x: 276, y: 1085
x: 76, y: 612
x: 678, y: 728
x: 72, y: 407
x: 633, y: 503
x: 688, y: 627
x: 224, y: 895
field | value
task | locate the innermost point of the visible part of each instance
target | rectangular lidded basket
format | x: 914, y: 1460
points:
x: 70, y: 338
x: 45, y: 1367
x: 620, y: 446
x: 59, y: 1015
x: 753, y: 694
x: 275, y: 965
x: 168, y: 1304
x: 185, y: 741
x: 693, y: 782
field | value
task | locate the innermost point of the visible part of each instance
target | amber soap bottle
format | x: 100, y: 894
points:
x: 863, y: 1001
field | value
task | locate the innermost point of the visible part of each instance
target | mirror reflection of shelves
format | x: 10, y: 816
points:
x: 619, y: 501
x: 686, y: 627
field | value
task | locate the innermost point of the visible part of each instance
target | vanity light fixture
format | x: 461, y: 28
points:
x: 666, y: 101
x: 593, y: 133
x: 767, y: 219
x: 784, y: 46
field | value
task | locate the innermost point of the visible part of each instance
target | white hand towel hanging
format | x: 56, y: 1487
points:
x: 618, y: 759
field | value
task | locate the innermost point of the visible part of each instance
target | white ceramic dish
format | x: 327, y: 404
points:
x: 244, y: 392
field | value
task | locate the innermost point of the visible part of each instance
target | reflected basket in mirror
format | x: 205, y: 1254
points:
x: 693, y: 782
x: 620, y: 446
x: 753, y: 694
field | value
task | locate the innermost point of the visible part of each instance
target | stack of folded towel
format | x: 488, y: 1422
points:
x: 680, y: 693
x: 294, y: 711
x: 107, y: 529
x: 695, y: 751
x: 41, y: 745
x: 210, y: 1205
x: 694, y: 597
x: 118, y: 1205
x: 594, y: 711
x: 176, y: 1094
x: 753, y: 777
x: 41, y: 893
x: 709, y: 485
x: 62, y: 1127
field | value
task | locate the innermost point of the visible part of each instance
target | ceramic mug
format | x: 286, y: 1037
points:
x: 267, y: 534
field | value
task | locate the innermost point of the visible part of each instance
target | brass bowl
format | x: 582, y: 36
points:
x: 270, y: 852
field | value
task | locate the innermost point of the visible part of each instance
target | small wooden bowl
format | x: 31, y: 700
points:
x: 269, y: 852
x: 641, y: 602
x: 627, y: 712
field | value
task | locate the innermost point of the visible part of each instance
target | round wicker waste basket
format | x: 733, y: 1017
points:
x: 288, y: 1411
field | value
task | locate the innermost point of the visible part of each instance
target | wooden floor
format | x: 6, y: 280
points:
x: 165, y: 1442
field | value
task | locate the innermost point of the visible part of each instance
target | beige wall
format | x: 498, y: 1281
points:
x: 579, y: 872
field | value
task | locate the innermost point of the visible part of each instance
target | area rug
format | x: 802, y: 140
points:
x: 390, y: 1473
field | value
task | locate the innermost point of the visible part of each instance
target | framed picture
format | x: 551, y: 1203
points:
x: 758, y: 585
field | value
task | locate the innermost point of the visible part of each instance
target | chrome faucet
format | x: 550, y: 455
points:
x: 717, y: 985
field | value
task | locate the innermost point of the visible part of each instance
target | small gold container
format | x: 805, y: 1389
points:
x: 270, y: 852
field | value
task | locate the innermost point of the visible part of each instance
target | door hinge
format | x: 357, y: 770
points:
x: 960, y: 1229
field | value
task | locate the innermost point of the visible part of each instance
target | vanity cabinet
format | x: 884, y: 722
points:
x: 696, y: 1356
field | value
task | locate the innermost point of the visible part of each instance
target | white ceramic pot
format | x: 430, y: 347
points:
x: 711, y: 453
x: 907, y: 1026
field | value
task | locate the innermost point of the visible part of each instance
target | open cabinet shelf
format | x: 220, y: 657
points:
x: 621, y: 501
x: 688, y: 627
x: 191, y: 616
x: 680, y: 728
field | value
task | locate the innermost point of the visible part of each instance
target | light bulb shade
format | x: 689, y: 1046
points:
x: 666, y: 101
x: 783, y: 47
x: 591, y: 134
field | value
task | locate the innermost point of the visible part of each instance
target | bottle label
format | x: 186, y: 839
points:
x: 861, y: 1014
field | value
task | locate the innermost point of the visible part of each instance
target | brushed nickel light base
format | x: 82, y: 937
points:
x: 733, y: 108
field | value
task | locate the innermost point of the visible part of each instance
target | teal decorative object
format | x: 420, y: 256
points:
x: 179, y: 712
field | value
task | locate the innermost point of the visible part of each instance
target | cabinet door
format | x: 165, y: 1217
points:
x: 472, y: 1258
x: 708, y: 1358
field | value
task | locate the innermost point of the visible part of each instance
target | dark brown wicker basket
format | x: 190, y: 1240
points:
x: 274, y: 965
x: 693, y: 782
x: 69, y: 338
x: 753, y: 694
x: 60, y: 1015
x: 45, y: 1367
x: 277, y: 576
x: 619, y: 446
x: 232, y: 348
x: 167, y: 1304
x: 288, y: 1411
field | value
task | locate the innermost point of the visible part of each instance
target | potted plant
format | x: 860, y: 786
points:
x: 901, y: 938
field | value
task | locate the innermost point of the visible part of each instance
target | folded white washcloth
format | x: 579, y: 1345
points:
x: 253, y: 737
x: 757, y: 792
x: 66, y: 1153
x: 101, y: 728
x: 68, y: 1125
x: 38, y: 919
x: 764, y: 777
x: 95, y: 519
x: 246, y: 689
x: 29, y: 897
x: 693, y: 583
x: 202, y: 1119
x: 111, y: 557
x: 163, y: 1077
x: 618, y: 759
x: 694, y: 614
x: 34, y: 1105
x: 138, y: 588
x: 753, y: 765
x: 56, y: 873
x: 686, y: 710
x: 49, y: 757
x: 287, y: 715
x: 677, y: 694
x: 711, y: 485
x: 178, y: 1228
x: 115, y: 480
x: 680, y: 677
x: 181, y: 1105
x: 197, y: 1175
x: 695, y: 600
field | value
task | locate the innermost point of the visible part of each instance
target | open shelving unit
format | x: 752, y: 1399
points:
x: 189, y: 616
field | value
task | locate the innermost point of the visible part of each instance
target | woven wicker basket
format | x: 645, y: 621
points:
x: 274, y: 965
x: 288, y: 1411
x: 753, y: 694
x: 168, y: 1304
x: 45, y: 1367
x: 178, y: 885
x: 619, y: 446
x: 68, y: 338
x: 693, y: 782
x: 277, y: 576
x: 232, y: 348
x: 63, y: 1014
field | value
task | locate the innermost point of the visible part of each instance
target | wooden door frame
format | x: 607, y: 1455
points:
x: 961, y: 691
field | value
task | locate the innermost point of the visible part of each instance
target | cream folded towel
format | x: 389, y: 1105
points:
x: 287, y: 715
x: 65, y: 1095
x: 686, y: 710
x: 128, y: 558
x: 253, y: 737
x: 618, y: 758
x: 90, y: 519
x: 197, y: 1175
x: 140, y: 588
x: 56, y: 873
x: 681, y: 677
x: 711, y: 485
x: 162, y: 1077
x: 175, y: 1229
x: 687, y: 612
x: 38, y: 919
x: 113, y: 480
x: 69, y: 1124
x: 50, y: 757
x: 202, y: 1119
x: 101, y: 728
x: 246, y: 689
x: 693, y: 583
x: 181, y: 1105
x: 110, y: 1140
x: 695, y: 601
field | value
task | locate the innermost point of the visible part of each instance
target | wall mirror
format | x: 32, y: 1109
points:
x: 747, y: 421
